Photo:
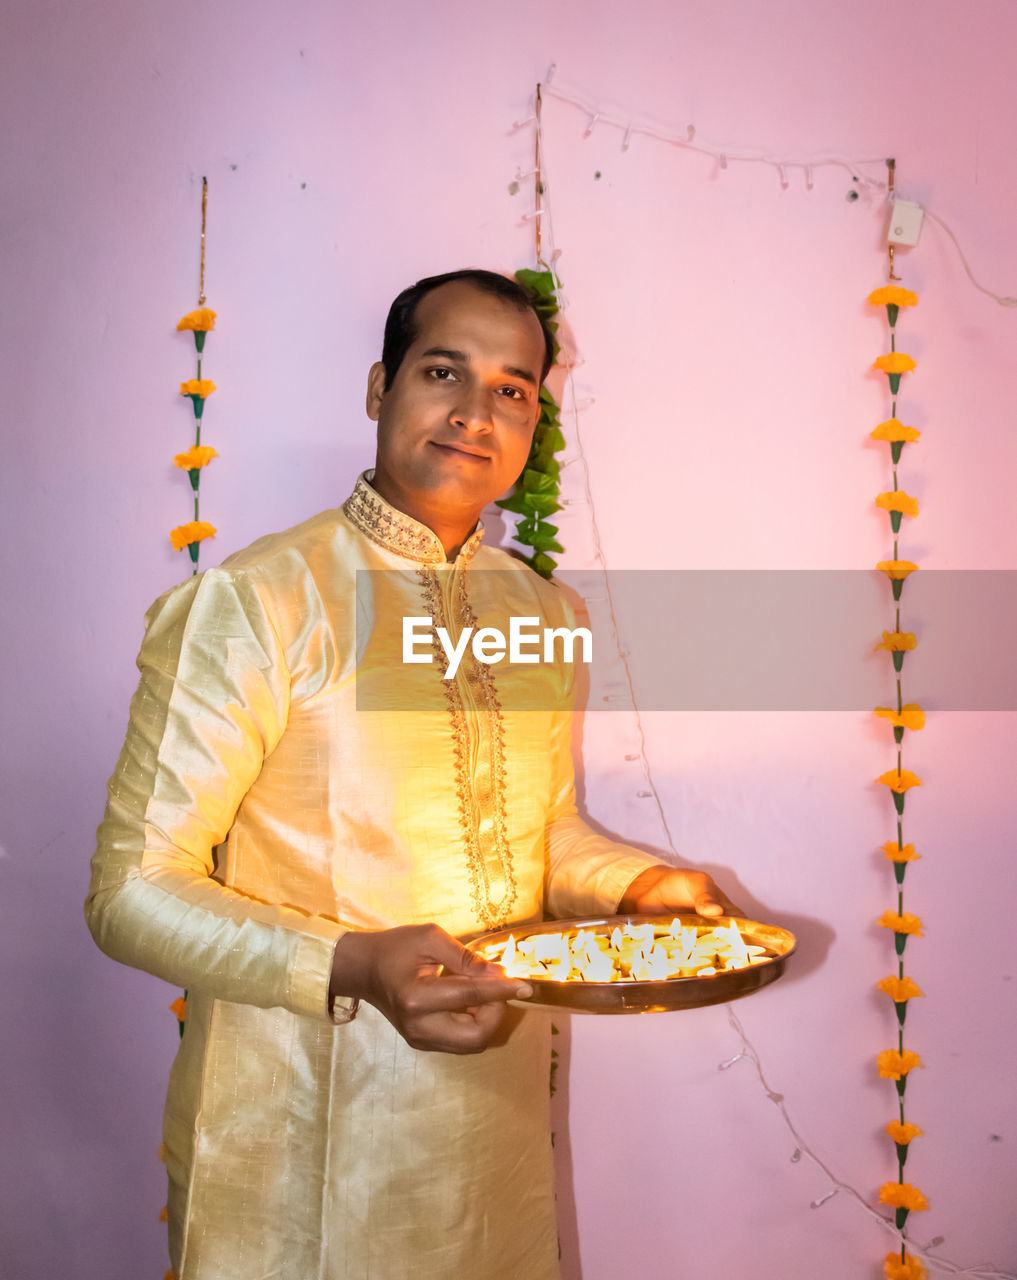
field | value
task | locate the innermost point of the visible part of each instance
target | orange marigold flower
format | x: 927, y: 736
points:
x: 897, y: 640
x: 910, y: 716
x: 204, y: 319
x: 893, y: 430
x: 894, y: 362
x: 902, y: 1195
x: 903, y: 1133
x: 164, y: 1214
x: 198, y: 455
x: 899, y: 780
x: 898, y: 500
x: 897, y: 569
x: 170, y: 1275
x: 202, y: 387
x: 900, y: 989
x: 892, y: 295
x: 179, y: 1007
x: 193, y: 531
x: 892, y: 1065
x: 894, y: 1268
x: 895, y: 853
x: 907, y: 923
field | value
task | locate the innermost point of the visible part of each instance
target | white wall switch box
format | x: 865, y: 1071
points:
x: 905, y: 223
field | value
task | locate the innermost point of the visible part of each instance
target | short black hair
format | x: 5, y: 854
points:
x: 401, y: 328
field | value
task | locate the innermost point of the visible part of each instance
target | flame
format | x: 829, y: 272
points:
x: 597, y: 966
x: 739, y: 951
x: 632, y: 953
x: 549, y: 946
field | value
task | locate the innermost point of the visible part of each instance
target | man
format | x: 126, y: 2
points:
x: 285, y: 855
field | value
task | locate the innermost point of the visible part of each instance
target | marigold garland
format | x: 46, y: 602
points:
x: 199, y: 323
x: 904, y: 1198
x: 897, y: 571
x: 898, y: 503
x: 911, y: 716
x: 892, y: 1064
x: 903, y: 1133
x: 892, y: 295
x: 899, y: 781
x: 190, y: 534
x: 902, y: 1195
x: 896, y: 435
x: 192, y: 460
x: 895, y: 1064
x: 900, y: 989
x: 198, y: 455
x: 895, y: 853
x: 897, y: 641
x: 904, y: 926
x: 179, y: 1009
x: 903, y: 1267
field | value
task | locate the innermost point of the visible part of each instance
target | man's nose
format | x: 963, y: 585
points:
x: 472, y: 409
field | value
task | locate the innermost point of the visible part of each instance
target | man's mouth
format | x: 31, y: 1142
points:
x: 463, y: 449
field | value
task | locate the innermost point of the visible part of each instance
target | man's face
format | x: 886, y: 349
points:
x: 454, y: 428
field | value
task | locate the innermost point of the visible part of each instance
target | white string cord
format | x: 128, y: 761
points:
x: 802, y: 1148
x: 1001, y: 299
x: 748, y: 1050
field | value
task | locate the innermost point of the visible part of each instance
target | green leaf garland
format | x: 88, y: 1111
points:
x: 536, y: 493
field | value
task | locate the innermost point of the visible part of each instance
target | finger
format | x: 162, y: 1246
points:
x: 448, y: 956
x: 475, y: 966
x: 460, y: 1033
x: 453, y: 992
x: 707, y: 898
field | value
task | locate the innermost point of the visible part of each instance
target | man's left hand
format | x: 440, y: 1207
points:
x: 659, y: 890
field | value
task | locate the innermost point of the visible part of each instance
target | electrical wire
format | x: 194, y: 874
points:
x: 1001, y: 299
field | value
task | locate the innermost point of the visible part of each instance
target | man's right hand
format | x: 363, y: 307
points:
x: 435, y: 993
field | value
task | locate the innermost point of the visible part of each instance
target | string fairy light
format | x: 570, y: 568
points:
x: 748, y: 1051
x: 691, y: 139
x: 802, y: 1148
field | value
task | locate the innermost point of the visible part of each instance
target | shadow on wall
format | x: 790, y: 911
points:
x: 814, y: 939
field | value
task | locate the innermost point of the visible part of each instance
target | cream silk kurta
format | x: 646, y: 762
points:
x: 286, y: 778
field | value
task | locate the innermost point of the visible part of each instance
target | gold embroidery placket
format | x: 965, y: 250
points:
x: 478, y: 749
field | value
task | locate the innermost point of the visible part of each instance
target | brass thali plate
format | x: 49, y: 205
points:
x: 655, y: 996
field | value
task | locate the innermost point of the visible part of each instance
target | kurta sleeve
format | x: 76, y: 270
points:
x: 211, y: 705
x: 587, y: 874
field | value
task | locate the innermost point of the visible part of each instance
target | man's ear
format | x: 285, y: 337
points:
x: 375, y: 390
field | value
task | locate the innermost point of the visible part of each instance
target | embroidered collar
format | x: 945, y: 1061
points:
x: 398, y: 532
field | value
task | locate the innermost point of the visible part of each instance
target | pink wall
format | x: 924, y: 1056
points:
x: 726, y: 344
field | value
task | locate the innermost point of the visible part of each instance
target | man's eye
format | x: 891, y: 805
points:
x: 441, y: 374
x: 512, y: 393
